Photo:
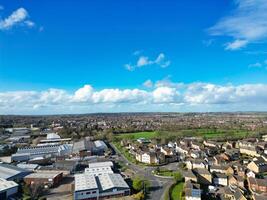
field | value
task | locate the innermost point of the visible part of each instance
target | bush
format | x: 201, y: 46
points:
x: 139, y: 196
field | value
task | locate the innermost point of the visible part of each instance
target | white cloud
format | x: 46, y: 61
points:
x: 18, y: 17
x: 29, y: 23
x: 165, y: 95
x: 166, y: 82
x: 83, y: 94
x: 258, y: 64
x: 246, y: 24
x: 143, y: 61
x: 235, y: 45
x: 255, y: 65
x: 148, y: 83
x: 188, y: 97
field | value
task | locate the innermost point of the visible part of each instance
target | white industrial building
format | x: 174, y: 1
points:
x: 99, y: 168
x: 86, y: 147
x: 7, y: 189
x: 103, y: 186
x: 27, y: 153
x: 18, y: 131
x: 11, y: 172
x: 53, y: 139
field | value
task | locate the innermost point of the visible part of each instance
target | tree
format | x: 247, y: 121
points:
x: 178, y: 177
x: 139, y: 196
x: 140, y: 183
x: 137, y: 183
x: 32, y: 192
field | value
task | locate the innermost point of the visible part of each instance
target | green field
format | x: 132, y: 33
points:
x: 204, y: 133
x: 177, y: 190
x: 166, y: 172
x: 125, y: 152
x: 135, y: 136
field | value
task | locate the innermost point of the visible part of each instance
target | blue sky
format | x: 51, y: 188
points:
x: 118, y: 55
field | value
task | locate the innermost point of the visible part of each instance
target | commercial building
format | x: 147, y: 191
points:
x: 11, y: 172
x: 53, y: 139
x: 86, y: 147
x: 7, y: 189
x: 27, y: 153
x: 45, y: 178
x: 18, y: 131
x: 104, y: 186
x: 99, y: 168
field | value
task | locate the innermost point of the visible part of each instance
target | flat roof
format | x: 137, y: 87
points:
x: 98, y: 170
x: 8, y: 171
x: 100, y: 164
x: 43, y: 174
x: 5, y: 185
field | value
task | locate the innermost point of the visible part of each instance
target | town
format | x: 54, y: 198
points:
x: 48, y: 162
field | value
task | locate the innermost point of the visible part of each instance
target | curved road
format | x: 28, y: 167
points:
x: 158, y: 185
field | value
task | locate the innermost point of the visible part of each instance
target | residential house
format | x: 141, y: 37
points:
x: 250, y: 174
x: 210, y: 143
x: 196, y: 163
x: 220, y: 179
x: 192, y: 191
x: 224, y: 169
x: 167, y: 151
x: 236, y: 180
x: 249, y: 150
x: 196, y: 146
x: 147, y: 157
x: 189, y: 176
x: 257, y: 185
x: 203, y: 176
x: 258, y: 166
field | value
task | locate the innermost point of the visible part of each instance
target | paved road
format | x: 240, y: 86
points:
x: 158, y: 185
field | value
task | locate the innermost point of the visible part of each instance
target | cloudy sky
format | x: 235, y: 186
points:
x: 129, y: 55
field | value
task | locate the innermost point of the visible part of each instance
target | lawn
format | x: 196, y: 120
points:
x: 207, y: 133
x: 125, y: 152
x: 177, y: 190
x: 204, y: 133
x: 135, y: 136
x: 165, y: 172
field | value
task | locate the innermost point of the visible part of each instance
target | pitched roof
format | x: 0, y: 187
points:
x: 108, y: 181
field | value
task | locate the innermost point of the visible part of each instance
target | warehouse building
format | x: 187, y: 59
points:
x: 99, y: 168
x: 45, y: 178
x: 27, y: 153
x: 86, y: 147
x: 11, y: 172
x: 7, y: 189
x: 53, y: 139
x: 103, y: 186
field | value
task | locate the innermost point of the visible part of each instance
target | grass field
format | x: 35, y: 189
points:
x: 205, y: 133
x: 135, y: 136
x: 176, y: 193
x: 125, y: 152
x: 165, y: 172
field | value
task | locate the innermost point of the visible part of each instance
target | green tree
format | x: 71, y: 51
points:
x: 139, y: 196
x: 178, y: 177
x: 137, y: 183
x: 140, y: 183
